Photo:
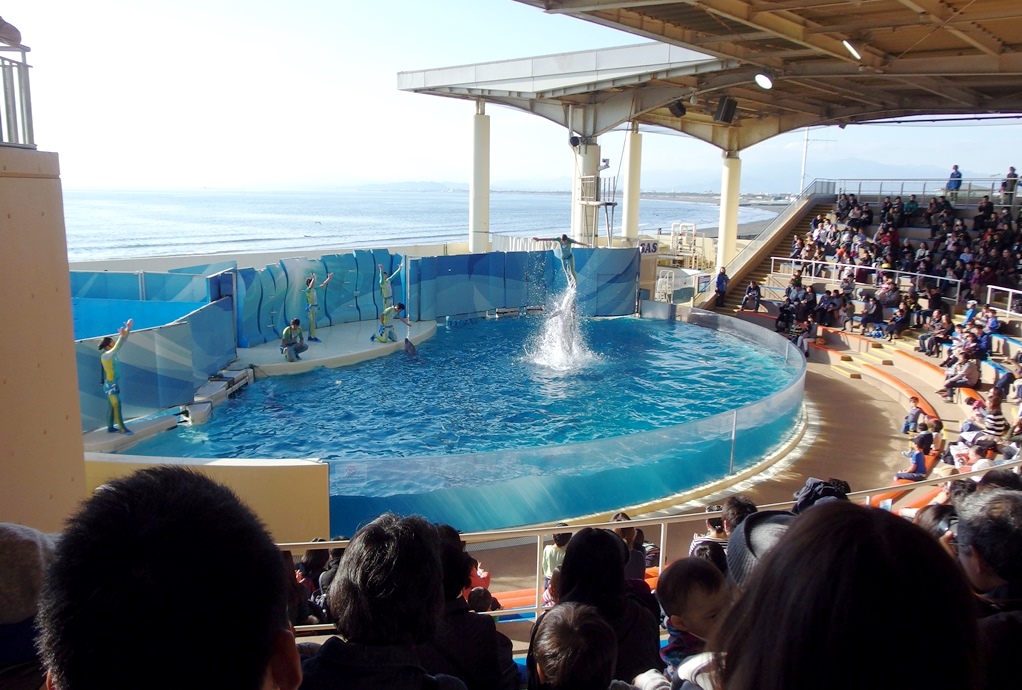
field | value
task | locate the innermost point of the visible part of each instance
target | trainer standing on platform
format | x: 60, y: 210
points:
x: 111, y: 373
x: 721, y: 285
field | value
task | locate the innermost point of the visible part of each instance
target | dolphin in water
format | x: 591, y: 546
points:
x: 410, y: 348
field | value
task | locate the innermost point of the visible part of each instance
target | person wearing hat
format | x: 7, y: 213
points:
x: 749, y: 543
x: 26, y: 555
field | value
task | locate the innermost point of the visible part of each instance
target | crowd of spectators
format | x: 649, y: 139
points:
x: 799, y: 597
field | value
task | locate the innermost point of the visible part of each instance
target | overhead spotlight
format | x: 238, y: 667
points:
x: 574, y: 142
x: 765, y: 80
x: 677, y: 109
x: 851, y: 49
x: 604, y: 163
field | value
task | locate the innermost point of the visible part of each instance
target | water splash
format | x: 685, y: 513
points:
x: 561, y: 345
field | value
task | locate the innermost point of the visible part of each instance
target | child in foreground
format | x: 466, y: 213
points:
x: 574, y: 648
x: 694, y: 596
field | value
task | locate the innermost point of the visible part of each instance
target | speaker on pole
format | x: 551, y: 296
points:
x: 725, y: 110
x: 677, y: 109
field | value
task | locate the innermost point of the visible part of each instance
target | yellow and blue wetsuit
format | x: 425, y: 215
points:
x: 311, y: 307
x: 386, y: 289
x: 386, y: 331
x: 111, y: 385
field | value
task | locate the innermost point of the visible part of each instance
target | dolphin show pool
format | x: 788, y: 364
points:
x: 502, y: 422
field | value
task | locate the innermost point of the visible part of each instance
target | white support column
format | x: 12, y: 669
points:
x: 479, y: 189
x: 630, y: 197
x: 584, y: 218
x: 727, y: 230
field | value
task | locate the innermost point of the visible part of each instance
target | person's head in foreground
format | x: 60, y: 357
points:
x: 128, y: 601
x: 817, y: 610
x: 574, y: 649
x: 694, y: 595
x: 389, y: 587
x: 990, y: 538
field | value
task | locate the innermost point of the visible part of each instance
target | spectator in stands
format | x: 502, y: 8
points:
x: 467, y: 645
x: 917, y: 471
x: 809, y: 617
x: 999, y: 479
x: 734, y: 511
x: 714, y: 530
x: 911, y: 423
x: 573, y: 648
x: 873, y: 313
x: 847, y: 313
x: 553, y: 554
x: 954, y: 183
x: 990, y: 551
x: 751, y: 541
x: 965, y: 374
x: 593, y: 574
x: 694, y: 596
x: 712, y: 552
x: 897, y: 324
x: 753, y: 294
x: 139, y: 550
x: 635, y: 563
x: 911, y: 209
x: 387, y: 597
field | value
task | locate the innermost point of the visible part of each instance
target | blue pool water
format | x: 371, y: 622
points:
x: 510, y: 407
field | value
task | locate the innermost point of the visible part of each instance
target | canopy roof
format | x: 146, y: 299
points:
x: 916, y: 57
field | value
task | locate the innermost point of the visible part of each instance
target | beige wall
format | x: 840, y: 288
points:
x: 42, y: 472
x: 291, y: 496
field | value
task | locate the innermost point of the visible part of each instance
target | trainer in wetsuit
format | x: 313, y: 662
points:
x: 112, y: 376
x: 313, y: 302
x: 386, y: 331
x: 292, y: 341
x: 385, y: 288
x: 567, y: 260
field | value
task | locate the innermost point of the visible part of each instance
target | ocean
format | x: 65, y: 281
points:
x: 106, y: 224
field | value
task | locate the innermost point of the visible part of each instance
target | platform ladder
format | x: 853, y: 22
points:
x: 664, y: 286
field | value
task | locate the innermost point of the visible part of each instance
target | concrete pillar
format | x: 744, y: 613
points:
x: 630, y: 196
x: 479, y: 189
x: 41, y: 452
x: 727, y: 230
x: 584, y: 218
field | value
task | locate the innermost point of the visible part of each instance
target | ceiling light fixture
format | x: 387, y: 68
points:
x: 765, y: 80
x: 851, y: 49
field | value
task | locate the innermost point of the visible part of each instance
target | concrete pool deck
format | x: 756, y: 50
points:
x: 341, y: 345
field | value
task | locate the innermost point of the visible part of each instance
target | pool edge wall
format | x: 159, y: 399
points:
x: 290, y: 497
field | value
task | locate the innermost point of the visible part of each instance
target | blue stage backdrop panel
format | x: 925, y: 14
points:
x: 425, y: 285
x: 206, y: 269
x: 94, y: 318
x: 250, y: 297
x: 213, y: 338
x: 617, y: 276
x: 174, y: 287
x: 273, y: 318
x: 339, y: 296
x: 105, y: 285
x: 366, y: 290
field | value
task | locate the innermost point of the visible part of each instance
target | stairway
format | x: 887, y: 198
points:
x: 782, y: 247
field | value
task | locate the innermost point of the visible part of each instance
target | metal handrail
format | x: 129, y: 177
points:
x: 917, y: 278
x: 1009, y: 311
x: 16, y: 127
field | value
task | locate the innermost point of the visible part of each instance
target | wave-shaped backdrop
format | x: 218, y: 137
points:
x: 117, y: 224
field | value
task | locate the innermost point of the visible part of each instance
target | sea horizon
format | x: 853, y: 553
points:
x: 105, y: 224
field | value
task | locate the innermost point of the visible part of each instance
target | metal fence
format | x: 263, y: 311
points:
x: 16, y: 116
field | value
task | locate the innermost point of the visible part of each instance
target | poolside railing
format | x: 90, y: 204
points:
x: 781, y: 265
x: 969, y: 195
x: 16, y: 116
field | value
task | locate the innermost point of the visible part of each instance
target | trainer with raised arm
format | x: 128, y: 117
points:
x: 312, y: 306
x: 567, y: 260
x: 385, y: 287
x: 112, y: 377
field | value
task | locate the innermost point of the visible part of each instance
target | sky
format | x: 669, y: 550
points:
x: 302, y: 95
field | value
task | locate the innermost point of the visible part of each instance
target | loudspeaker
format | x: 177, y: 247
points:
x: 725, y: 110
x: 677, y: 109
